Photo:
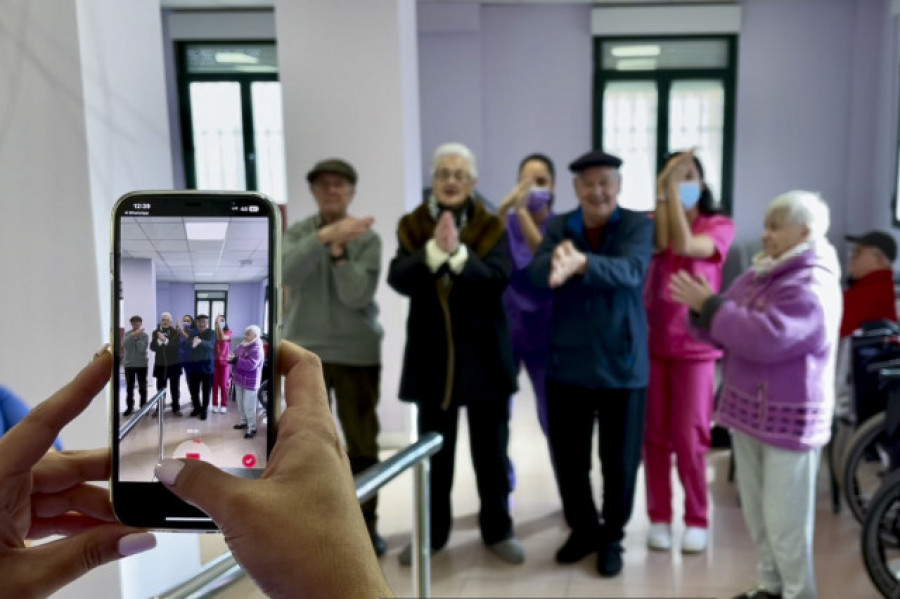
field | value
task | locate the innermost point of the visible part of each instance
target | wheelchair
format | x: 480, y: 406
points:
x: 871, y: 453
x: 881, y: 538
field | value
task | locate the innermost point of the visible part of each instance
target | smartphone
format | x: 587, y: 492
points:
x: 198, y: 254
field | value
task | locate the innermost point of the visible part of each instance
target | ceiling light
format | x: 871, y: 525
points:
x: 642, y: 51
x: 636, y: 64
x: 235, y: 58
x: 199, y: 231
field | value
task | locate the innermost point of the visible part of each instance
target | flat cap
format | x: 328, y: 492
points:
x: 879, y: 240
x: 334, y: 166
x: 595, y: 158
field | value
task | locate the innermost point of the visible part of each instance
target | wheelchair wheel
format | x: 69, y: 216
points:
x: 881, y: 538
x: 865, y: 465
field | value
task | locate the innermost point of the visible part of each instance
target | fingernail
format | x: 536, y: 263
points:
x: 167, y: 471
x: 103, y: 349
x: 136, y: 543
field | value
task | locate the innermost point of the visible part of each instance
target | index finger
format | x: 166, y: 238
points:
x: 29, y: 440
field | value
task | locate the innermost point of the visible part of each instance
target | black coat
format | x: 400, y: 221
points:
x: 476, y: 355
x: 166, y: 355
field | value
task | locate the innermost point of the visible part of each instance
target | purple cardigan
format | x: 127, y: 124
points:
x: 779, y: 331
x: 248, y: 365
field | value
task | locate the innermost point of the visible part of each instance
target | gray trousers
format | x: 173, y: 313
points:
x: 246, y: 400
x: 778, y: 500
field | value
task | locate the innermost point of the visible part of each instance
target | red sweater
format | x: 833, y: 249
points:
x: 869, y: 298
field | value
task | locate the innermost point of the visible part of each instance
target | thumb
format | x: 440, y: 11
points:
x: 199, y: 483
x: 53, y: 565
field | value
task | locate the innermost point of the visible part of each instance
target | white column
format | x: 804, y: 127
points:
x: 82, y: 120
x: 348, y: 71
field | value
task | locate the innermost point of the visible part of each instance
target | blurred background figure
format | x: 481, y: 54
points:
x: 331, y: 266
x: 778, y: 325
x: 690, y: 235
x: 248, y: 360
x: 453, y: 264
x: 221, y: 367
x: 135, y: 345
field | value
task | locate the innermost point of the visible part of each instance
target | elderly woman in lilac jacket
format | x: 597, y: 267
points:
x: 248, y: 363
x: 778, y: 325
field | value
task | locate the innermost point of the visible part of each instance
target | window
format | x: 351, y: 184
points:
x: 211, y: 303
x: 659, y: 95
x: 231, y: 117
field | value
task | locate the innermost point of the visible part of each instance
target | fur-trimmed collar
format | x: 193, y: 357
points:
x: 481, y: 233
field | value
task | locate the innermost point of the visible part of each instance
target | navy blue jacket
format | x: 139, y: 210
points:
x: 598, y: 333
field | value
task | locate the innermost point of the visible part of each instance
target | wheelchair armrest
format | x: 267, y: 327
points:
x: 883, y: 365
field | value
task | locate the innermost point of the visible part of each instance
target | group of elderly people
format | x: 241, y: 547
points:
x: 617, y: 318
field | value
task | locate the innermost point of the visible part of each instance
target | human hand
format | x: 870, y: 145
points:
x: 446, y: 235
x: 673, y: 172
x: 518, y: 197
x: 566, y: 261
x: 197, y: 341
x: 45, y: 494
x: 298, y: 530
x: 138, y: 332
x: 689, y: 290
x: 160, y: 336
x: 345, y: 230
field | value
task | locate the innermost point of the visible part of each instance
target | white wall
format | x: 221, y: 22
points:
x: 352, y: 91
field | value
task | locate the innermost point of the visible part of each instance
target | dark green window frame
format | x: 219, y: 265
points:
x: 664, y: 79
x: 245, y: 80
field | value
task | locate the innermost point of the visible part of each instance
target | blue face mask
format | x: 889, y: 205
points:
x: 689, y: 192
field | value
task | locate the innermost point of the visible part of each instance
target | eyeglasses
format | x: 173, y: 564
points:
x: 458, y: 176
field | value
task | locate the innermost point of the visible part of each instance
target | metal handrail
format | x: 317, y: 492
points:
x: 224, y: 570
x: 143, y: 411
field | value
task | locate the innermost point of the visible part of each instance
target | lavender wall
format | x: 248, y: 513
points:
x: 806, y: 104
x: 246, y: 303
x: 138, y: 282
x: 506, y: 81
x: 815, y: 98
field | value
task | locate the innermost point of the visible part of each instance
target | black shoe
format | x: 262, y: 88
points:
x: 202, y: 415
x: 609, y: 559
x: 577, y: 547
x: 128, y: 412
x: 195, y: 413
x: 240, y: 427
x: 249, y: 434
x: 378, y: 543
x: 177, y: 413
x: 758, y: 594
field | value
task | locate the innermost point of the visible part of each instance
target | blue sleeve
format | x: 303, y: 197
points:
x: 12, y: 411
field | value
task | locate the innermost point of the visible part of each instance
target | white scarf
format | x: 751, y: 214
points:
x: 764, y: 264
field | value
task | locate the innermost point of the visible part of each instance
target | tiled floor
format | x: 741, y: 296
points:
x: 214, y: 439
x: 466, y: 569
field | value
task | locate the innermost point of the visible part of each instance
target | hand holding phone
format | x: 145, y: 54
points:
x: 218, y: 218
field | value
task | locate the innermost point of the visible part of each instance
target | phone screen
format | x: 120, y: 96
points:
x: 195, y: 290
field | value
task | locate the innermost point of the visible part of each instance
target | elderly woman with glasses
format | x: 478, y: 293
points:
x: 453, y: 264
x: 778, y: 326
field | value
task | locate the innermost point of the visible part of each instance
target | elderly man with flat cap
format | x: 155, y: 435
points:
x: 331, y: 266
x: 595, y: 259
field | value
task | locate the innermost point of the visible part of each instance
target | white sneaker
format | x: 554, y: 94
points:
x: 694, y: 540
x: 660, y: 536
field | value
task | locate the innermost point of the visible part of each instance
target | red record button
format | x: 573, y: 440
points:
x: 249, y: 460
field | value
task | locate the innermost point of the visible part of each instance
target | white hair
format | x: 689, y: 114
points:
x: 454, y: 149
x: 164, y: 314
x: 255, y: 330
x: 804, y: 208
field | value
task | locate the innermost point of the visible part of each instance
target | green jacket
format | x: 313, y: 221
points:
x: 331, y: 307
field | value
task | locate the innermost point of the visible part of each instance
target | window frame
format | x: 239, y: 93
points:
x: 664, y: 79
x: 245, y: 80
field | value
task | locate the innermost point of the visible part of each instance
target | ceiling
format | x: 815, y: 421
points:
x: 255, y: 4
x: 241, y: 257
